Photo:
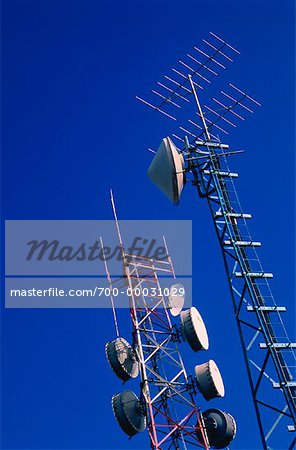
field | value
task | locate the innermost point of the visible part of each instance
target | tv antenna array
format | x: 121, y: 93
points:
x: 268, y: 352
x: 166, y: 403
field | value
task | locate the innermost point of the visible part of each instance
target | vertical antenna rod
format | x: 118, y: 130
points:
x: 116, y: 219
x: 111, y: 288
x: 199, y: 108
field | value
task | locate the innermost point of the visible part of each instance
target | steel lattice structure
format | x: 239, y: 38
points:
x: 268, y: 352
x: 258, y: 317
x: 173, y: 417
x: 174, y: 421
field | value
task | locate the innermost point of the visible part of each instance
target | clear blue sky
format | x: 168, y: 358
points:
x: 72, y: 129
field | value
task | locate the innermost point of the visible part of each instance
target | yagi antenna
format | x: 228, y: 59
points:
x: 239, y: 100
x: 176, y: 88
x: 212, y: 119
x: 220, y: 115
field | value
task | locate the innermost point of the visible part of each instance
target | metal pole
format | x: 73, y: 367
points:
x: 200, y: 111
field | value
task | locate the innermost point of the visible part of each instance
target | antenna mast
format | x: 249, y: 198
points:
x: 200, y: 111
x: 268, y: 352
x: 166, y: 403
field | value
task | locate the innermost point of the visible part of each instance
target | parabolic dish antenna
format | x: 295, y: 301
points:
x: 166, y: 170
x: 209, y: 380
x: 122, y: 359
x: 194, y: 330
x: 128, y: 412
x: 220, y: 426
x: 176, y: 299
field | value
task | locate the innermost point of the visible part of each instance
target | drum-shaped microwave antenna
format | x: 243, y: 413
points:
x: 194, y: 330
x: 122, y: 359
x: 209, y: 380
x: 128, y: 412
x: 167, y: 170
x: 176, y: 299
x: 220, y: 427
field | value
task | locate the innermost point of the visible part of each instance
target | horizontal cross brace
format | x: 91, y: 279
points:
x: 235, y: 215
x: 267, y: 308
x: 221, y: 174
x: 284, y: 384
x: 244, y: 243
x: 254, y: 274
x: 211, y: 144
x: 144, y: 266
x: 278, y: 345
